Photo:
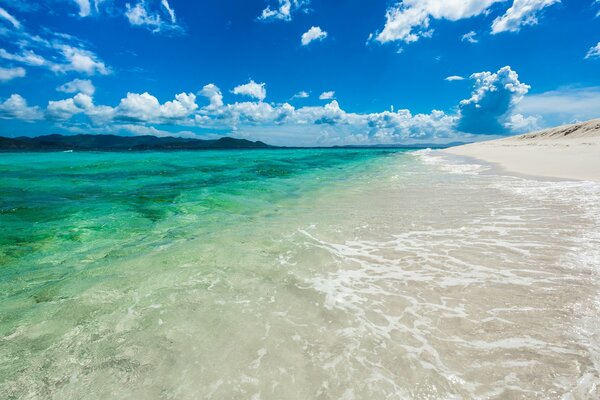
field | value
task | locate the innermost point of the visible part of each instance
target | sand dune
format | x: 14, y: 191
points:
x: 567, y: 152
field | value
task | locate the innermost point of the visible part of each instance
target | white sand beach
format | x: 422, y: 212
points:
x: 567, y: 152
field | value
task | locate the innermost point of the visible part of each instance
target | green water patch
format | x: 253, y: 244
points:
x: 61, y: 212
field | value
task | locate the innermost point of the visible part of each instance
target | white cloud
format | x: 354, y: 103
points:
x: 522, y: 12
x: 409, y: 20
x: 138, y: 15
x: 169, y: 10
x: 453, y: 78
x: 183, y: 106
x: 56, y: 51
x: 327, y: 95
x: 84, y: 86
x: 331, y: 125
x: 314, y: 33
x: 493, y: 98
x: 253, y: 113
x: 15, y: 107
x: 139, y: 107
x: 252, y: 89
x: 143, y: 14
x: 75, y: 59
x: 301, y: 95
x: 63, y: 109
x: 83, y: 101
x: 27, y: 57
x: 518, y: 123
x: 594, y: 52
x: 284, y: 9
x: 213, y: 94
x: 8, y: 17
x: 323, y: 125
x: 470, y: 37
x: 100, y: 115
x: 7, y: 74
x: 499, y: 104
x: 146, y: 108
x: 97, y: 4
x: 84, y: 7
x: 561, y: 106
x: 80, y: 60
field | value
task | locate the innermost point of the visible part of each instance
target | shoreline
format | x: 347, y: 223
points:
x: 570, y: 152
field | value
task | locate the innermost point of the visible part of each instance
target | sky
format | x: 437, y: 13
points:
x: 298, y: 72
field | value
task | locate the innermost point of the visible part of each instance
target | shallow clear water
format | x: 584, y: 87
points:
x: 294, y: 274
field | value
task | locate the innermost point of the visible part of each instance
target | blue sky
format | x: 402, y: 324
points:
x: 298, y: 72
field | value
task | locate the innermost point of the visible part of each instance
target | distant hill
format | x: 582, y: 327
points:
x: 122, y: 143
x: 146, y: 143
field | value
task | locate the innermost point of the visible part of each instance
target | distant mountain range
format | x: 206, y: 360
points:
x: 122, y: 143
x: 145, y: 143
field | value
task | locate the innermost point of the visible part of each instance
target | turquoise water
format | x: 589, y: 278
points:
x: 60, y: 212
x: 296, y: 274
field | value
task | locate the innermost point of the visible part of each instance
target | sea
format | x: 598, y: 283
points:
x: 294, y: 274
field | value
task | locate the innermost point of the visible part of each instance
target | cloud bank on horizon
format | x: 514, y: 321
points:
x: 75, y: 81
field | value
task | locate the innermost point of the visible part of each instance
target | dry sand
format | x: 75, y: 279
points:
x: 567, y: 152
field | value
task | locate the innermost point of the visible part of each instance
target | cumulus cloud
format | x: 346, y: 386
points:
x: 7, y: 74
x: 409, y: 20
x: 284, y: 9
x: 139, y: 107
x: 80, y: 60
x: 84, y: 86
x: 16, y: 107
x: 453, y: 78
x: 253, y: 113
x: 251, y: 89
x: 135, y: 108
x: 496, y: 106
x: 314, y: 33
x: 594, y: 52
x: 518, y: 123
x: 522, y: 12
x: 214, y: 96
x: 183, y: 106
x: 330, y: 124
x: 327, y: 95
x: 470, y: 37
x: 146, y: 108
x: 325, y: 125
x: 8, y: 17
x: 494, y: 96
x: 65, y: 109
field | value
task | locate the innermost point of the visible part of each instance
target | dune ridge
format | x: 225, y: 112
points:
x: 565, y: 152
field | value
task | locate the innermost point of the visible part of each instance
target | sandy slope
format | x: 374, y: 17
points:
x: 570, y: 152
